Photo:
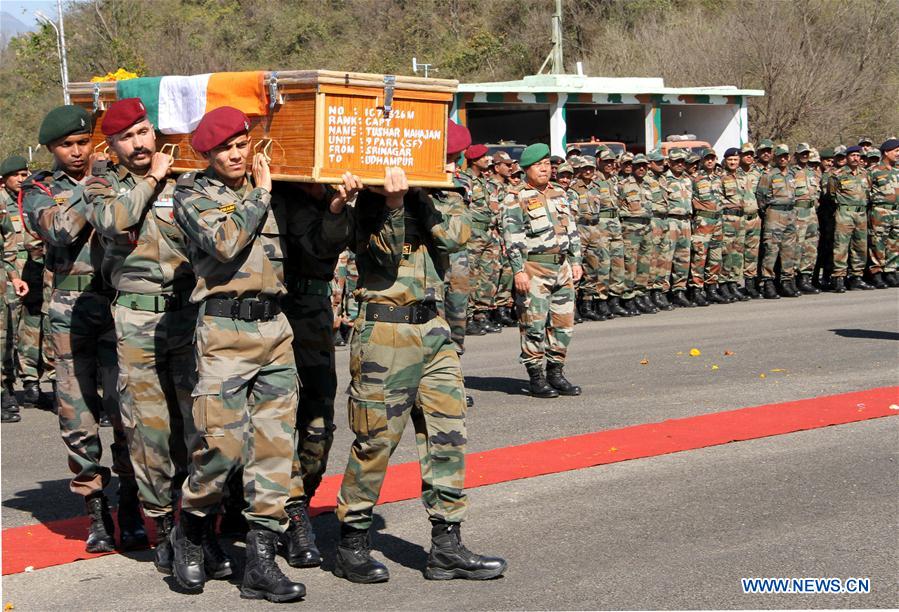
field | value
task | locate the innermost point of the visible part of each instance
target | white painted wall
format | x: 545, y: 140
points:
x: 557, y: 126
x: 716, y: 124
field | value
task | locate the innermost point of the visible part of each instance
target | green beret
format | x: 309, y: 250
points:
x: 655, y: 156
x: 827, y: 153
x: 781, y: 149
x: 62, y: 121
x: 532, y: 154
x: 13, y: 163
x: 765, y: 144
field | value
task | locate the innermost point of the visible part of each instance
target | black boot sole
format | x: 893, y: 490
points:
x: 162, y: 569
x: 439, y: 573
x: 248, y: 593
x: 219, y: 575
x: 341, y: 573
x: 305, y: 564
x: 101, y: 547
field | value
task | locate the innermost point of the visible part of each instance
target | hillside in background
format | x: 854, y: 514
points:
x: 828, y: 66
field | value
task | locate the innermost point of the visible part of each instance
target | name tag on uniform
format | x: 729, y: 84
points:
x: 166, y: 201
x: 534, y: 204
x: 60, y: 199
x: 228, y: 208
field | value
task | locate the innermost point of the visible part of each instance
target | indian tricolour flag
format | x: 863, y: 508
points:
x: 175, y: 104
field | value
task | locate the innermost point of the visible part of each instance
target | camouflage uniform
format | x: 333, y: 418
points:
x: 82, y: 329
x: 10, y: 249
x: 346, y: 277
x: 400, y: 369
x: 237, y: 242
x: 483, y: 247
x: 600, y: 238
x: 314, y: 249
x: 678, y: 197
x: 752, y: 222
x: 146, y: 257
x: 849, y: 191
x: 775, y: 197
x: 884, y: 219
x: 540, y: 231
x: 504, y: 287
x: 808, y: 189
x: 707, y: 231
x: 636, y: 213
x: 733, y: 227
x: 662, y: 248
x: 458, y: 281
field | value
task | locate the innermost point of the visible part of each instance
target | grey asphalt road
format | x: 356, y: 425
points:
x: 666, y: 532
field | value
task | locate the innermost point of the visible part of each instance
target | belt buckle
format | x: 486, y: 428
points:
x: 407, y: 249
x: 242, y: 310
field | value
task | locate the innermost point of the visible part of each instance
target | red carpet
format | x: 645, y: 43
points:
x: 60, y: 542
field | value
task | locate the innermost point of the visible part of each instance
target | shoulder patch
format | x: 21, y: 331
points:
x: 186, y: 179
x: 97, y: 180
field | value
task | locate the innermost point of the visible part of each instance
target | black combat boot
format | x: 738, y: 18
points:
x: 104, y: 419
x: 679, y: 298
x: 339, y: 340
x: 752, y: 290
x: 216, y: 563
x: 299, y: 540
x: 32, y: 395
x: 838, y: 284
x: 101, y: 533
x: 805, y: 286
x: 557, y: 380
x: 504, y: 317
x: 8, y: 401
x: 877, y: 281
x: 631, y: 306
x: 712, y: 296
x: 724, y: 290
x: 769, y: 291
x: 856, y: 282
x: 187, y: 548
x: 132, y: 532
x: 578, y: 319
x: 616, y: 309
x: 7, y: 416
x: 659, y: 299
x: 474, y: 328
x: 601, y: 310
x: 539, y: 387
x: 469, y: 401
x: 354, y: 561
x: 646, y: 305
x: 737, y: 292
x: 450, y: 559
x: 490, y: 326
x: 788, y: 288
x: 585, y: 309
x: 262, y: 578
x: 891, y: 279
x: 162, y: 558
x: 698, y: 295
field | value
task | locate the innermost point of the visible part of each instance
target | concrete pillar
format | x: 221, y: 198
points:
x: 653, y: 132
x: 557, y: 126
x: 743, y: 118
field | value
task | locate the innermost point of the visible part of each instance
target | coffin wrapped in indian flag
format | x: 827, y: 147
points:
x: 312, y: 124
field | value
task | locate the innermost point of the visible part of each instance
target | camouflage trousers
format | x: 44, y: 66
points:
x: 84, y: 343
x: 662, y: 253
x: 807, y: 238
x: 883, y: 234
x: 850, y: 242
x: 311, y: 320
x: 752, y: 223
x: 157, y: 373
x: 780, y: 240
x: 603, y: 251
x: 705, y: 254
x: 504, y: 289
x: 484, y: 263
x: 12, y: 314
x: 546, y: 313
x: 734, y: 233
x: 457, y: 288
x: 637, y: 238
x: 679, y: 237
x: 346, y: 275
x: 238, y: 360
x: 400, y: 371
x: 34, y: 350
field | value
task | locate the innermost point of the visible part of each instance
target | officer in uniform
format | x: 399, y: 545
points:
x: 81, y: 325
x: 848, y: 187
x: 584, y: 192
x: 732, y: 227
x: 775, y: 194
x: 662, y: 249
x: 404, y: 364
x: 130, y: 206
x: 748, y: 176
x: 883, y: 221
x: 635, y: 213
x: 707, y: 233
x: 808, y: 188
x: 237, y: 243
x: 678, y: 191
x: 10, y: 411
x: 544, y: 248
x: 502, y: 164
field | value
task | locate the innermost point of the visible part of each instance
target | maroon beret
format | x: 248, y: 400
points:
x: 122, y: 114
x: 217, y: 126
x: 457, y: 138
x: 475, y: 152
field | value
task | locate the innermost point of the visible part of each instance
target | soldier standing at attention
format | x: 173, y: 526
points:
x: 130, y: 206
x: 403, y: 364
x: 848, y: 187
x: 503, y: 164
x: 317, y: 226
x: 544, y: 248
x: 884, y: 217
x: 748, y: 176
x: 775, y: 194
x: 10, y: 413
x: 82, y: 327
x: 732, y: 225
x: 678, y: 188
x: 584, y: 192
x: 763, y: 155
x: 237, y: 243
x: 662, y: 249
x: 707, y: 234
x: 635, y: 197
x: 808, y: 188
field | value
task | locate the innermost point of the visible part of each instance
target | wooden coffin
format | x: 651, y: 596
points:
x: 322, y: 123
